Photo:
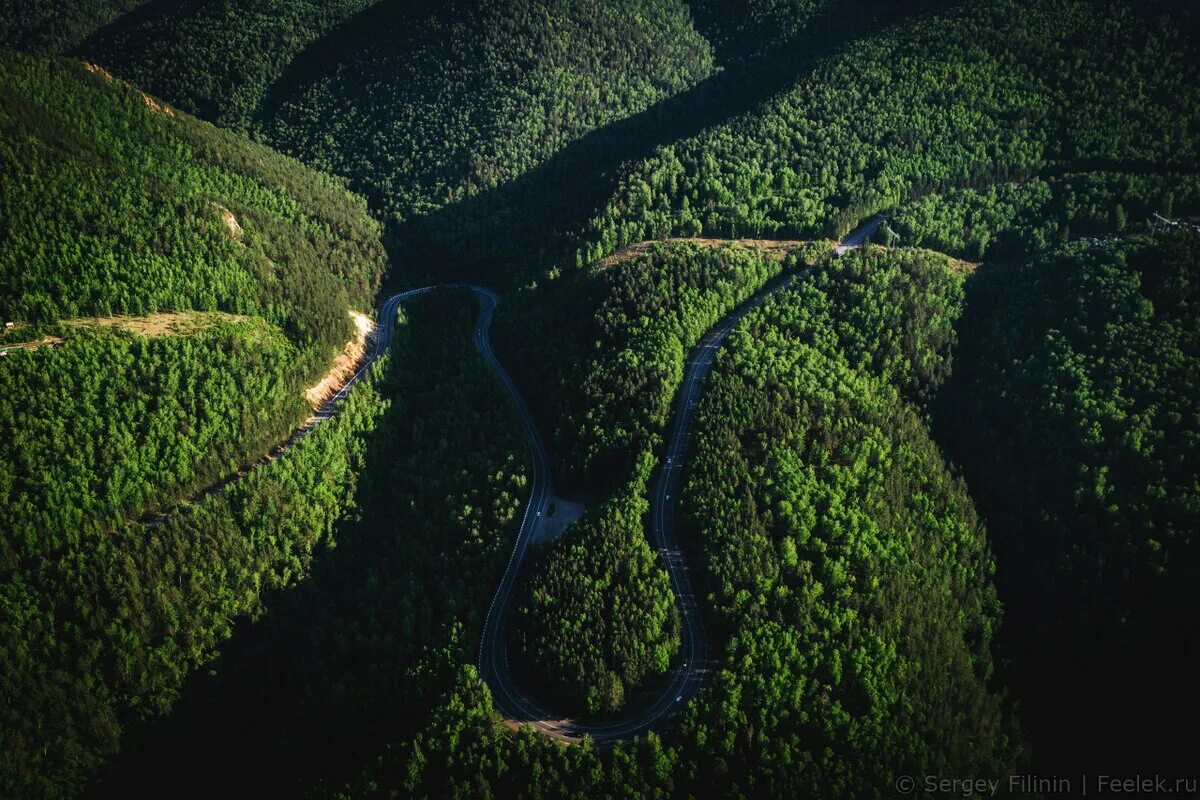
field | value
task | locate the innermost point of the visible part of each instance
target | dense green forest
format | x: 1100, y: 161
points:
x: 121, y: 206
x: 218, y: 59
x: 851, y: 587
x: 1010, y: 220
x: 617, y: 366
x: 558, y: 152
x: 424, y: 109
x: 412, y: 702
x: 110, y: 426
x: 738, y: 29
x: 596, y: 618
x: 420, y: 104
x: 1074, y: 413
x: 846, y: 566
x: 115, y: 204
x: 105, y: 633
x: 124, y: 208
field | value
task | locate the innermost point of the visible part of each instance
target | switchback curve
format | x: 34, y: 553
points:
x: 686, y: 677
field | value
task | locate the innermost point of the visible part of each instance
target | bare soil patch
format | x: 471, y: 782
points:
x: 346, y: 363
x: 165, y: 323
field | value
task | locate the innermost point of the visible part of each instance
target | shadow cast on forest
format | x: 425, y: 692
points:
x: 265, y: 718
x: 510, y: 234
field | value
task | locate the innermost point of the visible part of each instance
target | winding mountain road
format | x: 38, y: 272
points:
x: 687, y: 675
x: 685, y: 679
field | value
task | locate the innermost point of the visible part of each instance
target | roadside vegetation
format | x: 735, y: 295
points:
x: 595, y: 618
x: 103, y: 632
x: 368, y: 648
x: 849, y: 577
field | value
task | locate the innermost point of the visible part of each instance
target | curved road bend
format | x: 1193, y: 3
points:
x: 684, y: 681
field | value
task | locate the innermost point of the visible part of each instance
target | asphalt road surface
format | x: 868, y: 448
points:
x: 861, y: 235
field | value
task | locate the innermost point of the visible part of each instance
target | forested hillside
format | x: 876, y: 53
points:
x: 617, y: 366
x: 116, y: 204
x: 848, y: 573
x: 939, y: 515
x: 1073, y: 412
x: 106, y: 632
x: 122, y: 205
x: 419, y: 104
x: 1012, y: 220
x: 217, y: 59
x: 126, y: 207
x: 423, y: 109
x: 995, y: 92
x: 753, y: 27
x: 52, y: 26
x: 107, y: 427
x: 596, y: 619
